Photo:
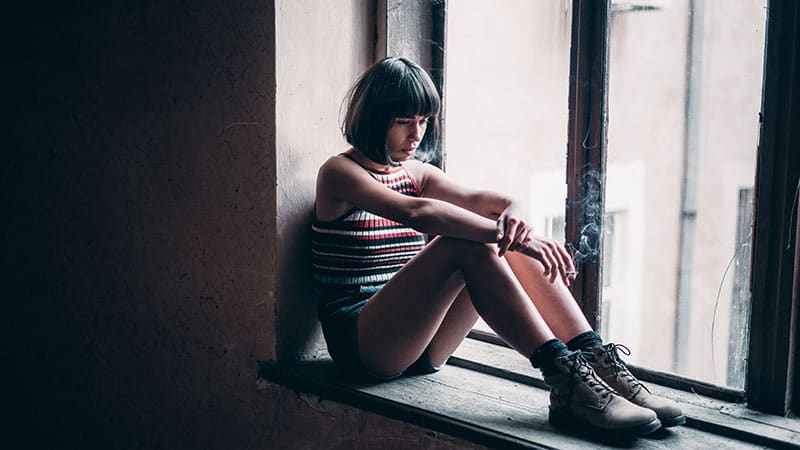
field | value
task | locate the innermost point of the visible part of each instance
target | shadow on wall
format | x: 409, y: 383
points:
x: 141, y: 234
x: 297, y: 326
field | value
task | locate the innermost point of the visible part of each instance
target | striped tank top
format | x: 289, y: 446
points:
x: 361, y: 248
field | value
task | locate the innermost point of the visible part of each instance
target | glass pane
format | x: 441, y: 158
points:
x: 684, y: 97
x: 507, y: 76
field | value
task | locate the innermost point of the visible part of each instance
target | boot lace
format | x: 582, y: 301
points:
x: 583, y: 370
x: 612, y: 352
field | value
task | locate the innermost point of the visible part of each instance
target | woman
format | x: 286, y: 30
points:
x: 389, y: 304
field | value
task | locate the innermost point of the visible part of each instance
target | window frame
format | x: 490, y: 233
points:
x: 775, y: 268
x: 774, y: 283
x: 774, y: 303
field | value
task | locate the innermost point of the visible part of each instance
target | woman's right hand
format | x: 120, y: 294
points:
x: 512, y: 232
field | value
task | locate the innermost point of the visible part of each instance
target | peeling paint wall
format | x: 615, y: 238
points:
x: 157, y: 177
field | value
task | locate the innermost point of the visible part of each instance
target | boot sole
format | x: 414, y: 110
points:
x: 667, y: 422
x: 577, y: 425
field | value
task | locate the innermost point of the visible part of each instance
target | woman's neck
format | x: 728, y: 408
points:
x: 368, y: 163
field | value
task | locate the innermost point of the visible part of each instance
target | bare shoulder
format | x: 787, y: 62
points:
x: 418, y: 170
x: 333, y: 163
x: 423, y: 172
x: 337, y: 167
x: 334, y: 175
x: 339, y: 176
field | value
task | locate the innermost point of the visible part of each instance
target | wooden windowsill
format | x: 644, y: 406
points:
x: 489, y: 395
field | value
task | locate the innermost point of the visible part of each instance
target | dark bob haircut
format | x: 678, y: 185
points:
x: 391, y: 88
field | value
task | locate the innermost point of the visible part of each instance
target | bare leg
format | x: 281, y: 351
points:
x: 553, y: 300
x: 458, y: 322
x: 402, y: 319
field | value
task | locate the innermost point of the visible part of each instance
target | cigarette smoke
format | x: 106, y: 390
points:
x: 589, y: 213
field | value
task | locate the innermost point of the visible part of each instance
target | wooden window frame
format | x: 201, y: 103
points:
x: 775, y: 275
x: 772, y: 363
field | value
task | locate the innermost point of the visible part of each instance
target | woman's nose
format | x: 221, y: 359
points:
x: 417, y: 132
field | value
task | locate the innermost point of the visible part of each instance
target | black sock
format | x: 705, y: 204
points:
x: 585, y: 341
x: 544, y: 356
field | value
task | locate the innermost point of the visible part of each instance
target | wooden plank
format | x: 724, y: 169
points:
x: 472, y: 405
x: 323, y: 378
x: 703, y: 413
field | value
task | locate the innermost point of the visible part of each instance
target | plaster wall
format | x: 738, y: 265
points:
x: 322, y: 48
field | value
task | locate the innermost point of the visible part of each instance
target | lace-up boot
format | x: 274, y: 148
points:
x: 581, y: 401
x: 606, y: 362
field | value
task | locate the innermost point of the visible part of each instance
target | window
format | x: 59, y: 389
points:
x: 663, y: 106
x: 684, y: 91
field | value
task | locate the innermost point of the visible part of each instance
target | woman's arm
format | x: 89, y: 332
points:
x: 512, y: 227
x: 517, y: 234
x: 435, y: 184
x: 342, y: 180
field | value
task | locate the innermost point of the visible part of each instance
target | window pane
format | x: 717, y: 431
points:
x: 684, y: 96
x: 507, y: 75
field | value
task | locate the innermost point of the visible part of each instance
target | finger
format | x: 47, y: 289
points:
x: 501, y: 226
x: 511, y: 232
x: 522, y: 239
x: 548, y: 264
x: 569, y: 264
x: 536, y: 250
x: 548, y: 259
x: 540, y: 254
x: 559, y: 256
x: 567, y: 258
x: 502, y: 235
x: 561, y: 264
x: 557, y: 271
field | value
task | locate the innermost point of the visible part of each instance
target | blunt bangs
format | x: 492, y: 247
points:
x: 393, y: 87
x: 414, y: 94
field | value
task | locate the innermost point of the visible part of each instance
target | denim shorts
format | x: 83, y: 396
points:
x: 339, y: 309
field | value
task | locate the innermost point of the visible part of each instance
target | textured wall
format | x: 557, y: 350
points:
x: 301, y: 421
x: 141, y: 240
x: 144, y: 171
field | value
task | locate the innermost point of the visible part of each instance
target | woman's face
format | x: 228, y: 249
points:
x: 404, y: 136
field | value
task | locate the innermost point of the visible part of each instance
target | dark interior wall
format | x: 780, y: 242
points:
x: 143, y: 221
x: 139, y: 176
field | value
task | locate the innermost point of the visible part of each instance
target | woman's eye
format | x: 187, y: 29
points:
x: 423, y: 122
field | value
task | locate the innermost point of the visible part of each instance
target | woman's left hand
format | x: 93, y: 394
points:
x: 553, y: 256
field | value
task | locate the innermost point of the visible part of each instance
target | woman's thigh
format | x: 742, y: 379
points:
x: 396, y: 325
